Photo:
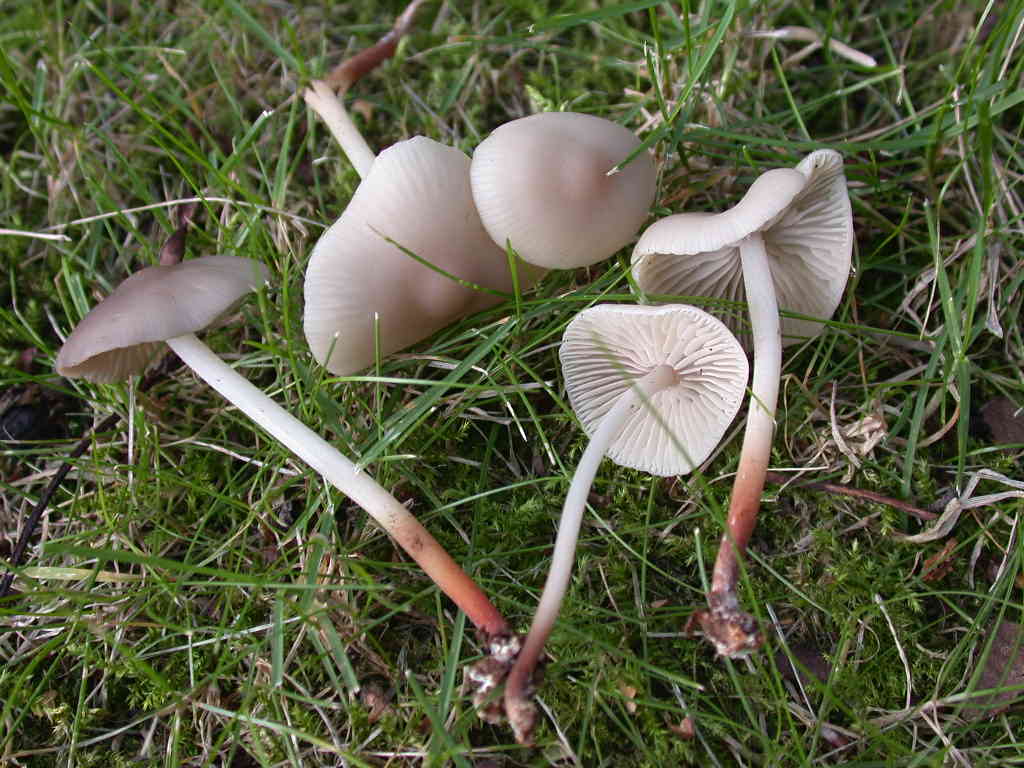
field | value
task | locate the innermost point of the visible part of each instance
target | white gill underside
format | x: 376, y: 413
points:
x: 605, y: 349
x: 808, y: 246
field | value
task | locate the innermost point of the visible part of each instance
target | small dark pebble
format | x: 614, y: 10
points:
x: 23, y: 422
x: 1002, y: 422
x: 810, y: 664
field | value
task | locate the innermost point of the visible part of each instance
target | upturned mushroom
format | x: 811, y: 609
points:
x: 655, y: 388
x: 170, y: 304
x: 545, y: 184
x: 787, y: 243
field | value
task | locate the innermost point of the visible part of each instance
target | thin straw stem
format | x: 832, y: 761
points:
x: 519, y: 708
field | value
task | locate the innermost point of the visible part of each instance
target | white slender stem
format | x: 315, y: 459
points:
x: 572, y: 516
x: 757, y: 437
x: 767, y: 334
x: 322, y: 100
x: 346, y: 477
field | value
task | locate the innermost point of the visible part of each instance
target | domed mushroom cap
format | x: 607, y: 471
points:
x: 804, y: 217
x: 542, y: 183
x: 607, y: 347
x: 416, y: 195
x: 119, y: 337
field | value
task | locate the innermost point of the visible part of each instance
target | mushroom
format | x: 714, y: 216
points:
x: 787, y: 243
x: 407, y: 257
x: 545, y: 184
x: 171, y: 304
x: 655, y: 388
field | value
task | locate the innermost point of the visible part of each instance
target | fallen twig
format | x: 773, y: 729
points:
x: 777, y: 478
x: 349, y: 71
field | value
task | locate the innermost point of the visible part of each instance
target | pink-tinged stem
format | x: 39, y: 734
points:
x: 733, y: 632
x: 347, y: 478
x: 519, y: 685
x: 336, y: 469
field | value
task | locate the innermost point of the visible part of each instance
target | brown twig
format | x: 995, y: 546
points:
x: 349, y: 71
x: 777, y: 478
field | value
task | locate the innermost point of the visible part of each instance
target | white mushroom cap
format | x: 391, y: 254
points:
x: 804, y: 217
x: 417, y: 195
x: 119, y: 337
x: 608, y: 346
x: 541, y: 183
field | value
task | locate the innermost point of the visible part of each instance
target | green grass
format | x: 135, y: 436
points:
x: 235, y: 611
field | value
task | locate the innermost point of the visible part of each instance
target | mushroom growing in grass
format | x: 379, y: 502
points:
x: 786, y: 244
x: 655, y: 388
x: 171, y: 304
x: 407, y: 257
x: 545, y: 184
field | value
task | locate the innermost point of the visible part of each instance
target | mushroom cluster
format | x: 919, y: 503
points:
x: 423, y: 240
x: 431, y: 235
x: 673, y: 376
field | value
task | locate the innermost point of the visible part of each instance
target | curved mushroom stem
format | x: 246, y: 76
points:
x: 733, y: 632
x: 321, y: 98
x: 519, y: 686
x: 320, y: 95
x: 346, y: 477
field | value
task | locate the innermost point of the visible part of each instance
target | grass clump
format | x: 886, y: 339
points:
x: 232, y: 610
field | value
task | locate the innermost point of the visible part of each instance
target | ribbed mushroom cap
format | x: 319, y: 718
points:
x: 417, y: 195
x: 119, y: 337
x: 541, y: 183
x: 608, y: 346
x: 805, y: 219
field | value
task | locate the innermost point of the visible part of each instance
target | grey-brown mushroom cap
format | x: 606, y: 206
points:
x: 121, y: 334
x: 808, y: 239
x: 359, y: 286
x: 542, y: 183
x: 608, y: 346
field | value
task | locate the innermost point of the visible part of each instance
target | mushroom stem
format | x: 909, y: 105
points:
x: 732, y: 631
x: 320, y: 95
x: 518, y: 686
x: 346, y: 477
x: 322, y: 100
